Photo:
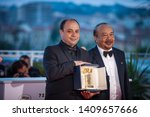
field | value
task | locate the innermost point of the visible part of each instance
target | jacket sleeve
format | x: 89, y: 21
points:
x: 54, y: 69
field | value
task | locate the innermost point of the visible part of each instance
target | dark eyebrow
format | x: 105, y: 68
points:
x: 109, y: 33
x: 104, y: 33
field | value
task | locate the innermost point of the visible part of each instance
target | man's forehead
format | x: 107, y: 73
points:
x: 71, y: 26
x: 70, y: 23
x: 105, y: 28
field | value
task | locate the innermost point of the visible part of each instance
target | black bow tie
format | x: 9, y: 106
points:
x: 105, y: 53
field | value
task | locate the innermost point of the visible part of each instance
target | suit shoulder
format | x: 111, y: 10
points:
x: 91, y: 51
x: 83, y: 50
x: 53, y: 47
x: 84, y: 53
x: 118, y: 50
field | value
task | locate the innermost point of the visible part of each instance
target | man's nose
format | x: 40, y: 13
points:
x: 108, y: 37
x: 73, y: 33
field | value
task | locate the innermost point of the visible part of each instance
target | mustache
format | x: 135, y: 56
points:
x: 108, y: 41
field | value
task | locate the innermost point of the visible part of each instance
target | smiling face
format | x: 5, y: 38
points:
x: 104, y: 37
x: 70, y: 33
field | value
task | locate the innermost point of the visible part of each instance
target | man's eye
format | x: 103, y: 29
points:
x: 69, y: 31
x: 77, y: 31
x: 104, y: 35
x: 112, y: 34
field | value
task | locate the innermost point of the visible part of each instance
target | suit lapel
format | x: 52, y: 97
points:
x: 100, y: 62
x: 65, y: 51
x: 119, y: 63
x: 98, y: 57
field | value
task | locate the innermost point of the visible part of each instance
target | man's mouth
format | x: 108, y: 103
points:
x: 108, y: 42
x: 72, y: 39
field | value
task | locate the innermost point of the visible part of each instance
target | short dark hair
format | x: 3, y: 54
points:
x: 96, y: 27
x: 65, y: 20
x: 17, y: 65
x: 24, y: 57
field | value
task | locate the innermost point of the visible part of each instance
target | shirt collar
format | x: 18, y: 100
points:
x: 68, y: 47
x: 102, y: 50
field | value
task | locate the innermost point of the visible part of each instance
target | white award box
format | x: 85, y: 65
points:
x: 90, y: 77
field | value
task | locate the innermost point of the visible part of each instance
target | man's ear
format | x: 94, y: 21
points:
x: 60, y: 31
x: 95, y: 38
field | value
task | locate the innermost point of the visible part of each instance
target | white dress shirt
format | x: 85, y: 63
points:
x: 112, y: 71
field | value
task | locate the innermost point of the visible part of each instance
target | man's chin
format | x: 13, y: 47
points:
x: 108, y: 47
x: 74, y: 43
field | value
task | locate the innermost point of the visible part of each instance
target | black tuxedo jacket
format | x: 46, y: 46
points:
x: 59, y: 68
x: 122, y: 72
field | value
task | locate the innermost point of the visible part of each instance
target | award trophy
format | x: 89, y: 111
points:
x: 90, y: 77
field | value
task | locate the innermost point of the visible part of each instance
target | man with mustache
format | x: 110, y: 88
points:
x: 104, y: 54
x: 59, y: 62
